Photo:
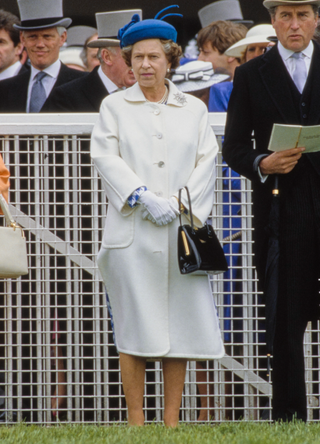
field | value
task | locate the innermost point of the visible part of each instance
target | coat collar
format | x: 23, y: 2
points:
x: 175, y: 98
x: 276, y: 80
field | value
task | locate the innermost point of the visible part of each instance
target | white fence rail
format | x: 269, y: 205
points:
x: 55, y: 337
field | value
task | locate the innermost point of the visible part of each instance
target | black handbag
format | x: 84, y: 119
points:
x: 199, y: 249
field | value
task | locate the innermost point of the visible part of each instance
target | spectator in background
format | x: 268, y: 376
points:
x: 89, y: 55
x: 253, y: 45
x: 42, y: 38
x: 87, y: 93
x: 70, y: 54
x: 10, y: 46
x: 215, y: 39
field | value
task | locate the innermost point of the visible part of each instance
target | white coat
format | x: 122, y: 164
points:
x: 157, y: 311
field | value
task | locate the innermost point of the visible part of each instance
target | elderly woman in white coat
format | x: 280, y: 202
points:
x: 150, y: 140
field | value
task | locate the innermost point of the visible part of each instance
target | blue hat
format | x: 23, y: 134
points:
x: 155, y: 28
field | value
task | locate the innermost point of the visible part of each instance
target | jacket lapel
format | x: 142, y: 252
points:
x: 312, y: 88
x: 276, y: 80
x: 20, y: 92
x: 95, y: 91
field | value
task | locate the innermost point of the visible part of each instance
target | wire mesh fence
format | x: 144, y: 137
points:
x: 57, y: 357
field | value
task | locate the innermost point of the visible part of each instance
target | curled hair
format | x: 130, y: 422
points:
x: 172, y: 51
x: 221, y: 34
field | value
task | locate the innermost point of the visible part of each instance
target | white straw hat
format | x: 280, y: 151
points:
x: 41, y: 14
x: 109, y: 23
x: 196, y: 75
x: 71, y: 56
x: 257, y: 34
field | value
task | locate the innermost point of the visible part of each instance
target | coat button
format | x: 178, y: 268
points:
x: 157, y: 112
x: 159, y: 136
x: 304, y: 116
x: 303, y: 104
x: 161, y: 164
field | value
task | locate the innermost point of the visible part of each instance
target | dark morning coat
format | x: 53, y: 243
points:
x: 14, y: 91
x: 82, y: 95
x: 264, y: 94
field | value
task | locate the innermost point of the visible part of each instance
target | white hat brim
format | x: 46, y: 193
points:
x: 197, y: 85
x: 238, y: 48
x: 102, y: 43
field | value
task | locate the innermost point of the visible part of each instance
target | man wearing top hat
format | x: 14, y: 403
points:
x: 282, y: 86
x: 42, y: 32
x: 86, y: 94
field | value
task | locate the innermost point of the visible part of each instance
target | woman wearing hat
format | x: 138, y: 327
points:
x: 151, y: 140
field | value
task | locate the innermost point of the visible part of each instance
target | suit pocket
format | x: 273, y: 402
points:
x: 118, y: 230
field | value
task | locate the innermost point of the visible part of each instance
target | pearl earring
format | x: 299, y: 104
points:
x: 168, y: 70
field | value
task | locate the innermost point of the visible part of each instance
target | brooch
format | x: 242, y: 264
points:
x: 180, y: 98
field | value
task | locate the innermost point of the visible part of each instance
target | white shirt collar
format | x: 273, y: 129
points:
x: 287, y: 53
x: 109, y: 85
x: 52, y: 70
x: 176, y: 97
x: 12, y: 71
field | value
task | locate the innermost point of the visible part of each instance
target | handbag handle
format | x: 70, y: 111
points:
x: 5, y: 209
x: 189, y: 202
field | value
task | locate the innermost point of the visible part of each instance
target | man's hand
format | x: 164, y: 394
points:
x: 282, y: 162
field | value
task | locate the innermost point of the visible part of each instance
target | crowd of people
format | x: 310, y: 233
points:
x: 152, y: 138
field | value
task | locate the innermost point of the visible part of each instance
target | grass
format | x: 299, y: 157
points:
x: 228, y: 433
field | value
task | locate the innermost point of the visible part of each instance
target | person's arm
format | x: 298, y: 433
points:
x: 4, y: 180
x: 202, y: 179
x: 238, y: 149
x: 105, y: 153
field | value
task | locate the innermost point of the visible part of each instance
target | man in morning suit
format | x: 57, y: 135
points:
x: 86, y: 94
x: 282, y: 86
x: 42, y: 32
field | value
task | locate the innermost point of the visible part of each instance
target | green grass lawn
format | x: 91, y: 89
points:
x: 229, y: 433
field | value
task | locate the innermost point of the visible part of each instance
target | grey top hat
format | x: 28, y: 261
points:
x: 222, y: 10
x: 196, y: 75
x: 271, y: 3
x: 109, y: 24
x: 77, y: 35
x: 40, y: 14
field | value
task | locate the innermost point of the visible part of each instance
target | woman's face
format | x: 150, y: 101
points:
x: 254, y: 50
x: 149, y: 63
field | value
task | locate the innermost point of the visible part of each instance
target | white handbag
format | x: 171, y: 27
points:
x: 13, y: 248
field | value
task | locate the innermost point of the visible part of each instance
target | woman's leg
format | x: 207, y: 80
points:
x: 174, y: 372
x: 58, y: 399
x: 132, y: 373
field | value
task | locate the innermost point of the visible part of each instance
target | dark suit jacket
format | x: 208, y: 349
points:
x: 14, y: 91
x: 83, y: 95
x: 261, y: 96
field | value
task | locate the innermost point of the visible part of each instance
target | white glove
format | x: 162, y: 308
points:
x: 161, y: 211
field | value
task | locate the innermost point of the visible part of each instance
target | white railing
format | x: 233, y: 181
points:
x: 56, y: 333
